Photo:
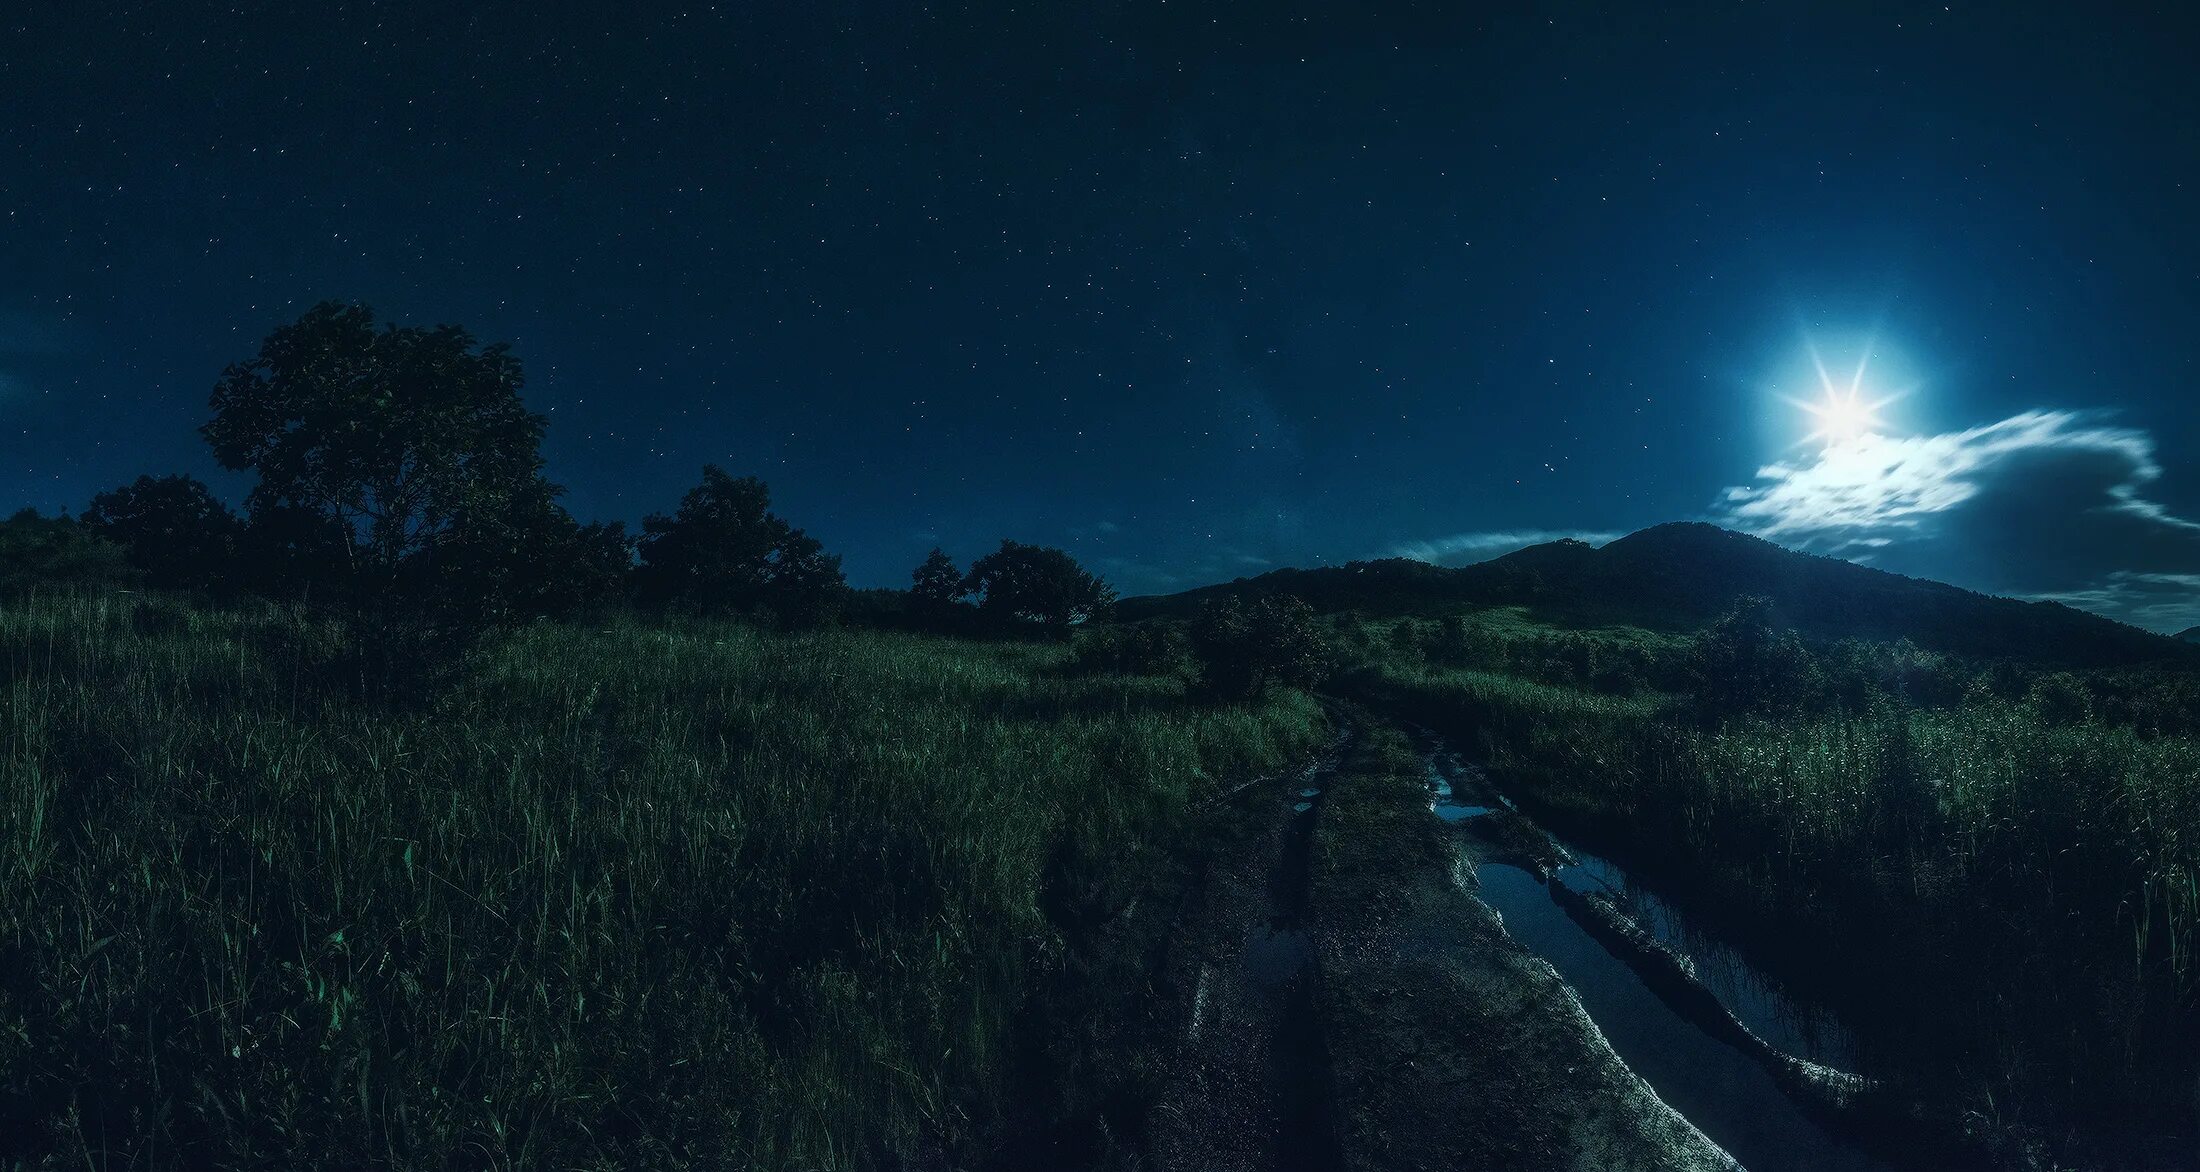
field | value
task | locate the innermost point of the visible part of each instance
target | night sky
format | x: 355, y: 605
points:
x: 1191, y: 289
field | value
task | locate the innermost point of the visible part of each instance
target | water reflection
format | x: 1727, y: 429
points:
x: 1753, y: 998
x: 1726, y: 1094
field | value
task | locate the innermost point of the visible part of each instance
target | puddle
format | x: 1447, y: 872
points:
x: 1455, y: 812
x: 1266, y: 1048
x: 1753, y: 999
x: 1443, y: 802
x: 1726, y: 1094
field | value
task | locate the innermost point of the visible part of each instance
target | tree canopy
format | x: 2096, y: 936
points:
x: 398, y: 465
x: 937, y: 581
x: 723, y: 550
x: 172, y: 529
x: 401, y: 440
x: 1037, y: 584
x: 1243, y: 647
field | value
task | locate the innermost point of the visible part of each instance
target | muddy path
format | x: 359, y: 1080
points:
x: 1251, y: 1090
x: 1453, y: 1046
x: 1375, y: 965
x: 1353, y: 1004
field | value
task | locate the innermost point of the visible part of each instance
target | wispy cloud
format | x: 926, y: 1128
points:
x: 1460, y: 549
x: 2044, y: 504
x: 1860, y: 491
x: 2162, y: 602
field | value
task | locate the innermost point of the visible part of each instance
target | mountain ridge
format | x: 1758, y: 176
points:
x: 1685, y: 573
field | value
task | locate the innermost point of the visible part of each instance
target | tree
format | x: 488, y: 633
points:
x: 1244, y: 648
x: 936, y: 583
x: 294, y: 553
x: 531, y: 559
x: 401, y: 451
x: 599, y: 565
x: 723, y: 551
x: 806, y: 586
x: 1037, y: 585
x: 1743, y: 664
x: 172, y: 529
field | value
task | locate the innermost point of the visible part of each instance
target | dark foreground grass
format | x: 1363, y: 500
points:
x: 2004, y: 896
x: 638, y: 896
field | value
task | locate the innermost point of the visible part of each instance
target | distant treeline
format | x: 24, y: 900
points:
x: 399, y: 478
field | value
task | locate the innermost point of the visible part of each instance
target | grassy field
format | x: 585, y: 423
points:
x: 689, y: 895
x: 1996, y: 876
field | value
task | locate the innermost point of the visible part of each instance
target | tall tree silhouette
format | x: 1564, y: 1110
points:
x: 937, y: 582
x: 1037, y: 585
x: 392, y: 461
x: 724, y: 550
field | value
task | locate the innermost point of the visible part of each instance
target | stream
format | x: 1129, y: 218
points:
x: 1728, y: 1095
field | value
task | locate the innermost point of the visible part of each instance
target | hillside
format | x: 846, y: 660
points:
x: 1683, y: 574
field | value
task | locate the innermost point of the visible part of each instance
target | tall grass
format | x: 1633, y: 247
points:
x: 2008, y: 890
x: 1563, y: 736
x: 668, y: 896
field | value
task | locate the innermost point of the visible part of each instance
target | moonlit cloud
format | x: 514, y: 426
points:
x: 2045, y: 504
x: 1858, y: 491
x: 1466, y: 548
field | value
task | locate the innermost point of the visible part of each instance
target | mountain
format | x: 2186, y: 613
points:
x: 1682, y: 575
x: 2190, y: 635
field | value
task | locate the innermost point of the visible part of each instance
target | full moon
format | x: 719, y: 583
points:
x: 1842, y: 414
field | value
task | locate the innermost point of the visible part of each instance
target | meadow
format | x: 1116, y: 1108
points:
x: 590, y: 896
x: 1993, y: 871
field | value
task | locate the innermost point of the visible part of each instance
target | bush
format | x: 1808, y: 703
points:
x: 172, y: 529
x: 1244, y: 648
x: 1144, y: 649
x: 2061, y: 698
x: 40, y: 551
x: 1742, y: 666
